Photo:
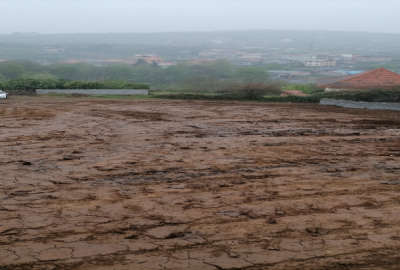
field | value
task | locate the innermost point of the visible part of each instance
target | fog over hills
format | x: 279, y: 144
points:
x: 181, y: 44
x: 48, y: 31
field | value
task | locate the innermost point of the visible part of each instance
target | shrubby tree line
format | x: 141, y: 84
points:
x: 210, y: 76
x: 27, y: 84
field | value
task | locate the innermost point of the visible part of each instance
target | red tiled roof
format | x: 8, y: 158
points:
x: 379, y: 78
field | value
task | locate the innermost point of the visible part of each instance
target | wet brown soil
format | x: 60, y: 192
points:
x: 115, y: 184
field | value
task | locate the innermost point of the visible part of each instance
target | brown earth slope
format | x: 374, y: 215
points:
x: 107, y: 184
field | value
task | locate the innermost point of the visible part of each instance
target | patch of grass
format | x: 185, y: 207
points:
x: 191, y: 96
x: 123, y: 96
x: 294, y: 99
x: 98, y: 96
x: 62, y: 95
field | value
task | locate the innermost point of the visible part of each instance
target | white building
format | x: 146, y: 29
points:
x: 319, y: 62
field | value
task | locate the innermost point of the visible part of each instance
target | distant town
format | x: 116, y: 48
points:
x: 291, y: 67
x: 290, y: 56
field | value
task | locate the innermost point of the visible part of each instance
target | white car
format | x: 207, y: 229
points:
x: 3, y: 95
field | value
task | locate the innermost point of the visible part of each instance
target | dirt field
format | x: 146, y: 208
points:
x: 118, y: 184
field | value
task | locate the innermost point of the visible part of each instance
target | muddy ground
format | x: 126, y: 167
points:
x: 148, y: 184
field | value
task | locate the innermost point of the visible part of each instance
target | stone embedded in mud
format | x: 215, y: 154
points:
x: 280, y: 212
x: 181, y: 186
x: 25, y: 163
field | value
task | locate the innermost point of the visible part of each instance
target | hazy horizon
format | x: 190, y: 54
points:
x: 200, y: 31
x: 156, y: 16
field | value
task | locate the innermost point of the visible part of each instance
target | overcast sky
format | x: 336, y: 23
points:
x: 73, y: 16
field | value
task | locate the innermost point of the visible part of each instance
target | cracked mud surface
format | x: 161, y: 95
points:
x: 107, y: 184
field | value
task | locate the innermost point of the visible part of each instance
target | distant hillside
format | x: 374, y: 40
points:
x: 56, y: 47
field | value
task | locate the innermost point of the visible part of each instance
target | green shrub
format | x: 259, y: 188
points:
x: 252, y: 91
x: 30, y: 84
x: 294, y: 99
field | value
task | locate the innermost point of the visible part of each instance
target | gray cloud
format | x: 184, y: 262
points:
x: 60, y: 16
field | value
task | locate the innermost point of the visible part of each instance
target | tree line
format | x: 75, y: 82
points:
x: 28, y: 84
x: 203, y: 76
